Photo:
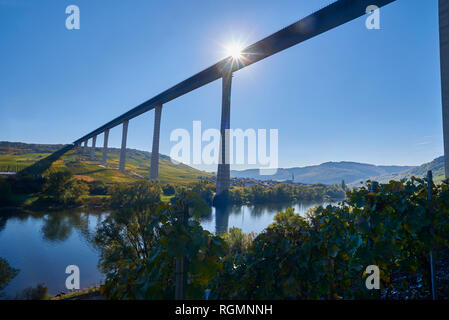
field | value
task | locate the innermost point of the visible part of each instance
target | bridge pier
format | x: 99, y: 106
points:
x: 105, y: 146
x: 443, y: 11
x: 85, y: 147
x: 123, y: 149
x: 223, y: 172
x: 154, y: 166
x: 92, y: 151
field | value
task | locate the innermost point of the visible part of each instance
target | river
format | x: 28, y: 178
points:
x: 42, y: 245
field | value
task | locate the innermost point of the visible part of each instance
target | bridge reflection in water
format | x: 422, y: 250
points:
x: 250, y: 218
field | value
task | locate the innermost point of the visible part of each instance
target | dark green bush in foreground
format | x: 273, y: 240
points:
x: 320, y: 256
x: 325, y: 254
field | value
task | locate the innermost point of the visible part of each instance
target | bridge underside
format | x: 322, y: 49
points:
x: 321, y: 21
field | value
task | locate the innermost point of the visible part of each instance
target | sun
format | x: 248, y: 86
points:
x: 234, y: 50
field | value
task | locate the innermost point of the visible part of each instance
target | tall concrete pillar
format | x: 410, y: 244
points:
x: 105, y: 146
x: 154, y: 169
x: 78, y: 149
x: 123, y: 149
x: 223, y: 172
x: 443, y: 9
x: 85, y: 147
x: 92, y: 151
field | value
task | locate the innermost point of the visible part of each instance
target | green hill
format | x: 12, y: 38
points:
x: 437, y: 167
x: 15, y: 156
x: 327, y: 173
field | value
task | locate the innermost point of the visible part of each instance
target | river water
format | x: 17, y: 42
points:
x: 42, y: 245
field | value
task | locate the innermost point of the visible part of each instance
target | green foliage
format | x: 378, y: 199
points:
x: 204, y: 189
x: 324, y: 255
x: 26, y: 184
x: 98, y: 188
x: 139, y: 249
x: 168, y: 190
x: 285, y: 192
x: 61, y: 187
x: 139, y: 193
x: 5, y: 192
x: 40, y: 292
x: 237, y: 241
x: 7, y: 273
x: 320, y: 256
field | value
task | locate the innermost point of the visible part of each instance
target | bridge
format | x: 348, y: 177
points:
x: 323, y: 20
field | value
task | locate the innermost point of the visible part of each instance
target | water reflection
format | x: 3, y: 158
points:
x: 251, y: 218
x: 43, y: 244
x: 222, y: 218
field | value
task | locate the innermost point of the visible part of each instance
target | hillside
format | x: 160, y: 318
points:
x: 327, y: 173
x: 437, y: 167
x: 17, y: 156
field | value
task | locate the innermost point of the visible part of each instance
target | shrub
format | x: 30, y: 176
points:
x: 139, y: 249
x: 7, y: 273
x: 138, y: 193
x: 168, y: 190
x: 98, y: 188
x: 61, y: 187
x: 324, y: 255
x: 5, y: 192
x: 40, y: 292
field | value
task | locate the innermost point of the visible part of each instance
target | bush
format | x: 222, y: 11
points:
x: 5, y: 192
x: 7, y: 273
x: 204, y: 189
x: 40, y: 292
x: 168, y: 190
x: 139, y: 249
x: 24, y: 183
x: 284, y: 192
x: 61, y: 187
x: 324, y: 255
x: 98, y: 188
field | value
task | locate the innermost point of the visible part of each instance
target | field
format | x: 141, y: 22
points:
x: 17, y: 156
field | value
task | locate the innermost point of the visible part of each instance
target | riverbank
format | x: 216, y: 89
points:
x: 42, y: 244
x: 91, y: 293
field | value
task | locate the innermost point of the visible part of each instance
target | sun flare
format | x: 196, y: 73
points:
x: 234, y: 50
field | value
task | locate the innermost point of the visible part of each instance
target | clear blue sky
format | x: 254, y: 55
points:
x: 350, y: 94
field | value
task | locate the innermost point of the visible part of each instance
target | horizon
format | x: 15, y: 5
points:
x: 294, y: 167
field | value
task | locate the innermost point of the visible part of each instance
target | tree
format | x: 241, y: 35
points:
x: 7, y: 273
x: 40, y: 292
x: 5, y: 192
x: 139, y: 248
x: 139, y: 193
x: 168, y: 190
x: 62, y: 187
